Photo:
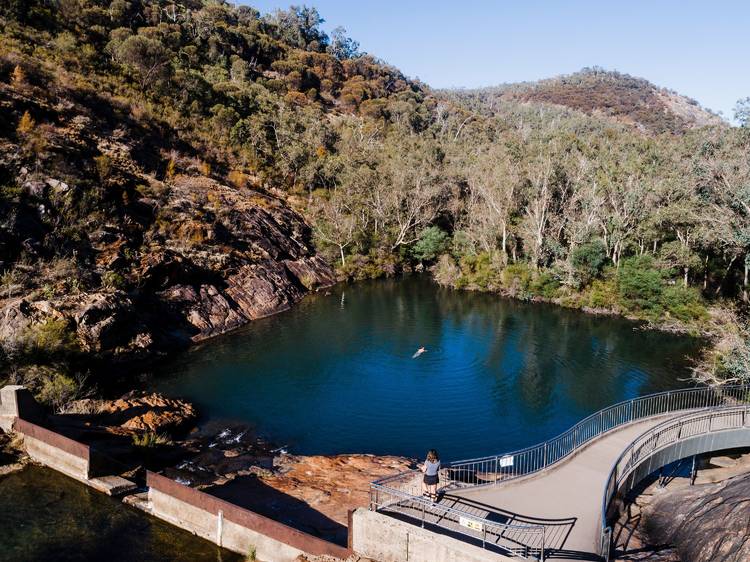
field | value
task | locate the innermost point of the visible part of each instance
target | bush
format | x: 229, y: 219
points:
x: 446, y: 272
x: 53, y: 337
x: 684, y: 303
x: 588, y: 260
x: 432, y: 242
x: 640, y: 285
x: 517, y: 278
x: 150, y: 440
x: 545, y: 284
x: 478, y: 272
x: 603, y: 294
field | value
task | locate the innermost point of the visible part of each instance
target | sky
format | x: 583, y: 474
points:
x: 699, y: 49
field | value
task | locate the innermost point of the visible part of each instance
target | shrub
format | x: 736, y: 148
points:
x: 640, y: 285
x: 478, y: 272
x: 588, y: 260
x: 113, y: 280
x: 603, y: 294
x: 517, y: 278
x: 545, y: 284
x: 150, y: 440
x: 432, y: 242
x: 60, y: 389
x: 446, y: 272
x: 684, y: 303
x: 53, y: 337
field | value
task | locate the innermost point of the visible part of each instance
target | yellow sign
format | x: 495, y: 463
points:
x: 470, y: 523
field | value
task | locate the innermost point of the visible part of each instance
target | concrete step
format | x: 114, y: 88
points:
x: 112, y: 485
x: 139, y: 501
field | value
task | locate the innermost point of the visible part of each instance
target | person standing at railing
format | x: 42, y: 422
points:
x: 430, y: 468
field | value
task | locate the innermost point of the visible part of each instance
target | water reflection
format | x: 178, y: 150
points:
x: 336, y: 374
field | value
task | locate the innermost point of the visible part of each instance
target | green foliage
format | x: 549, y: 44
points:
x: 113, y: 280
x: 603, y: 294
x: 517, y: 278
x: 432, y: 242
x: 684, y: 303
x: 53, y: 337
x: 640, y: 285
x: 478, y: 272
x: 588, y: 260
x: 545, y: 284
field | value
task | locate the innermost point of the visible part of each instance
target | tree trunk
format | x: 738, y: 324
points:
x: 705, y: 273
x: 744, y: 282
x: 685, y: 279
x: 505, y: 241
x: 343, y: 261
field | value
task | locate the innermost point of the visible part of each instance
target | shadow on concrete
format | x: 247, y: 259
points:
x: 557, y: 531
x: 253, y: 494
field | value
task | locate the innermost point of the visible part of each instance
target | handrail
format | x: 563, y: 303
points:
x: 659, y: 438
x: 522, y: 539
x: 491, y: 470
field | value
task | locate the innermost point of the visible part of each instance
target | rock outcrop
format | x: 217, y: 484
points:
x: 705, y: 523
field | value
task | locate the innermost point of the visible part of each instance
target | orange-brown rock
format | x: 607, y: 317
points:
x: 147, y: 412
x: 333, y: 485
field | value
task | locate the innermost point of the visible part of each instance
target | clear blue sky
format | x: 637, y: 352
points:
x: 700, y: 49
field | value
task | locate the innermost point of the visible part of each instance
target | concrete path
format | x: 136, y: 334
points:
x: 572, y: 488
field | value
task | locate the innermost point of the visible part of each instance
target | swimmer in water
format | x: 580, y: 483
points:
x: 419, y: 352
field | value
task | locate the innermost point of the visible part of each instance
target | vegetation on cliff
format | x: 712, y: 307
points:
x: 169, y: 170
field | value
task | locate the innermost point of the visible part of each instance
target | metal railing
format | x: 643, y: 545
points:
x: 392, y: 491
x: 526, y: 540
x: 487, y: 471
x: 659, y: 438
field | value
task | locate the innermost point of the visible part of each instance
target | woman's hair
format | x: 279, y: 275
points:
x: 432, y: 455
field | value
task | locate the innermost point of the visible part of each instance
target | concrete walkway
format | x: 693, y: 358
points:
x: 572, y: 488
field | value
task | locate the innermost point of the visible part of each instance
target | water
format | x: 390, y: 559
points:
x: 47, y: 516
x: 336, y: 374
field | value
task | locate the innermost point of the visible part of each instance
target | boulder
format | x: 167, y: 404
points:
x: 705, y: 523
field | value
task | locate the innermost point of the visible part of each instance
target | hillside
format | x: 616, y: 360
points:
x: 171, y: 171
x: 624, y: 98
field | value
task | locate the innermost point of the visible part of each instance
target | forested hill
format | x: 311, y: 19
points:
x: 171, y: 170
x: 620, y: 96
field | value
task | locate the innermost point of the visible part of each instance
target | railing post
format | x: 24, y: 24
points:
x: 545, y: 454
x: 542, y: 556
x: 423, y: 510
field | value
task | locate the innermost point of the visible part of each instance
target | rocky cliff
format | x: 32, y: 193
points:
x: 107, y: 253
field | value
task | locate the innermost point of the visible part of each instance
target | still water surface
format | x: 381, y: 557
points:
x: 46, y: 516
x: 335, y: 374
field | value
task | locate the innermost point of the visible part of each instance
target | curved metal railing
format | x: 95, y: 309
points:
x: 659, y: 438
x: 488, y: 471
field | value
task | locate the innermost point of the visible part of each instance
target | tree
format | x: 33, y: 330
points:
x: 742, y: 112
x: 334, y: 222
x: 343, y: 47
x: 300, y: 27
x: 147, y: 57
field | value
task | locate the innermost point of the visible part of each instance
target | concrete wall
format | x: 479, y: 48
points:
x: 387, y: 539
x: 49, y: 455
x: 17, y: 402
x: 231, y: 526
x: 54, y: 450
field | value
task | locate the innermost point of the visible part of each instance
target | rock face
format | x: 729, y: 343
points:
x: 705, y: 523
x: 220, y: 259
